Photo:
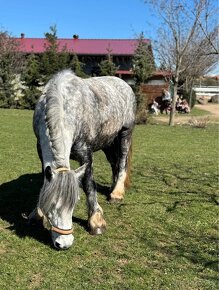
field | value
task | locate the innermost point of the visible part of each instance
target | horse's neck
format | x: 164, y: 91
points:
x: 56, y: 154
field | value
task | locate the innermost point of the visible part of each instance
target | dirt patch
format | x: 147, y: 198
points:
x: 35, y: 281
x: 212, y: 115
x: 212, y: 108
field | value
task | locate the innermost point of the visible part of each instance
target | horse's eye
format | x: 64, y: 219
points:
x: 48, y: 173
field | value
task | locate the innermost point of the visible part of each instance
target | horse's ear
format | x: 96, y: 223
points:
x: 80, y: 172
x: 48, y: 173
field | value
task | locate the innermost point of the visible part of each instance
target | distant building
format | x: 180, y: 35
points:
x: 91, y: 52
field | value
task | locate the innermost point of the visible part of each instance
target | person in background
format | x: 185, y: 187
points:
x: 178, y: 104
x: 166, y: 95
x: 166, y: 101
x: 155, y: 107
x: 185, y: 106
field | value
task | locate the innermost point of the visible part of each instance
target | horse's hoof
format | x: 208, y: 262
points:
x: 96, y: 223
x: 115, y: 200
x: 116, y: 196
x: 97, y: 231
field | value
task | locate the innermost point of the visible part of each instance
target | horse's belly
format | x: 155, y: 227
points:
x: 102, y: 142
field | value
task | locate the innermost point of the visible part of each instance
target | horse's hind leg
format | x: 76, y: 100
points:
x: 119, y: 157
x: 112, y: 153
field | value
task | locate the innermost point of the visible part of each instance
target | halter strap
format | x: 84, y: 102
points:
x: 61, y: 231
x: 48, y: 224
x: 62, y: 169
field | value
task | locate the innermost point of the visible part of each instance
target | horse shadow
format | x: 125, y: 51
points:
x: 20, y: 196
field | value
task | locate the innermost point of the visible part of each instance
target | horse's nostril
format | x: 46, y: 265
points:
x: 57, y: 245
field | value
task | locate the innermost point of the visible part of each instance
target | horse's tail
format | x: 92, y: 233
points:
x: 128, y: 171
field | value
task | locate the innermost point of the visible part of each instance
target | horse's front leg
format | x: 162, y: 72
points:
x: 96, y: 222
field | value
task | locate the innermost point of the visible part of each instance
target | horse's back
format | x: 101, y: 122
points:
x: 114, y: 86
x: 98, y: 102
x: 113, y: 96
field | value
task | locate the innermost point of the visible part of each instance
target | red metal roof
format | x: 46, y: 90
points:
x: 163, y: 73
x: 124, y: 72
x: 82, y: 46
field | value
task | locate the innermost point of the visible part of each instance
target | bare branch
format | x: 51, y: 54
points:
x: 186, y: 41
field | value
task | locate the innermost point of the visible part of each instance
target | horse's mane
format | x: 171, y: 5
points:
x: 54, y: 115
x: 65, y: 186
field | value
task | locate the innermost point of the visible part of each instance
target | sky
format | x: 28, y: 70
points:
x: 112, y: 19
x: 87, y: 18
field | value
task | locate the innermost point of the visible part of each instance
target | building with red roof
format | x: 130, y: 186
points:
x: 90, y: 51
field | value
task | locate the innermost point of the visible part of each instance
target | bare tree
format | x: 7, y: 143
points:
x: 187, y: 40
x: 9, y: 50
x: 11, y: 63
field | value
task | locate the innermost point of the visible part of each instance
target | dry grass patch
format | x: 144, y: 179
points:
x: 199, y: 122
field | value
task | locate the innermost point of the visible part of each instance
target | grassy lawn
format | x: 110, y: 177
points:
x: 162, y: 236
x: 199, y: 112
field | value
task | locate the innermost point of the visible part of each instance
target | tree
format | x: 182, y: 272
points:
x: 31, y: 76
x: 49, y: 61
x: 11, y: 63
x: 187, y: 41
x: 31, y: 73
x: 143, y: 64
x: 198, y: 61
x: 54, y: 58
x: 107, y: 66
x: 77, y: 66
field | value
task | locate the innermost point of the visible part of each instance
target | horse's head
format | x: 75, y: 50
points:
x: 57, y: 199
x: 59, y: 223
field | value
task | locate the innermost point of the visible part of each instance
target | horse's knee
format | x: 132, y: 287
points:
x: 96, y: 223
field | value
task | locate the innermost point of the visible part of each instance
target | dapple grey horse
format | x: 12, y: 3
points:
x: 74, y: 118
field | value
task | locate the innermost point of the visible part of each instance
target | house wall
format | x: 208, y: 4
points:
x: 92, y: 63
x: 152, y: 92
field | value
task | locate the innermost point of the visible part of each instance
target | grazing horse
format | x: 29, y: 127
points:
x: 74, y: 118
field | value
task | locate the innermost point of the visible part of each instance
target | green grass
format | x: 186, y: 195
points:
x: 199, y: 112
x: 162, y: 236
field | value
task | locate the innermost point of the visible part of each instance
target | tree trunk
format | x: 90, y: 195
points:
x: 190, y: 94
x: 173, y: 111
